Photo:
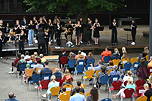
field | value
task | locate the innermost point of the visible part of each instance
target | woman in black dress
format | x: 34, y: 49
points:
x: 96, y: 34
x: 78, y: 27
x: 114, y: 32
x: 88, y: 34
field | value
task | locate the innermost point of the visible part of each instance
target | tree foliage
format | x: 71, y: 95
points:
x: 72, y: 6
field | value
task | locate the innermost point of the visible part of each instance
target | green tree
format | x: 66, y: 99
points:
x: 79, y: 7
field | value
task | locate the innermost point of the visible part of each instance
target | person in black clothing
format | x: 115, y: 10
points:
x: 69, y: 30
x: 50, y: 29
x: 41, y: 41
x: 80, y: 87
x: 133, y: 32
x: 17, y: 27
x: 96, y: 34
x: 58, y: 32
x: 46, y: 37
x: 88, y: 32
x: 148, y: 93
x: 114, y: 32
x: 78, y: 27
x: 21, y: 38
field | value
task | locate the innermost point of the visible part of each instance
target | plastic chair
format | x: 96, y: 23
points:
x: 113, y: 78
x: 116, y: 85
x: 127, y: 66
x: 97, y: 73
x: 55, y: 91
x: 140, y: 83
x: 64, y: 97
x: 22, y: 66
x: 133, y: 60
x: 44, y: 84
x: 71, y: 63
x: 103, y: 80
x: 107, y: 59
x: 28, y: 72
x: 128, y: 93
x: 80, y: 66
x: 35, y: 78
x: 63, y: 60
x: 90, y: 60
x: 139, y: 91
x: 116, y: 61
x: 88, y: 74
x: 68, y: 87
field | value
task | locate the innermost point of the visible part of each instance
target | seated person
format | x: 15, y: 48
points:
x: 27, y: 56
x: 79, y: 85
x: 105, y: 53
x: 46, y: 71
x: 148, y: 92
x: 53, y: 83
x: 38, y: 64
x: 15, y: 62
x: 116, y: 54
x: 11, y: 97
x: 130, y: 84
x: 67, y: 78
x: 115, y: 72
x: 77, y: 96
x: 58, y: 74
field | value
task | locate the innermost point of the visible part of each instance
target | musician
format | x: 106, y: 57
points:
x: 35, y: 22
x: 46, y: 37
x: 50, y: 28
x: 21, y: 39
x: 41, y: 41
x: 78, y: 28
x: 17, y: 27
x: 133, y: 31
x: 69, y: 31
x: 30, y: 33
x: 23, y: 22
x: 41, y: 23
x: 96, y: 33
x: 82, y: 37
x: 114, y: 26
x: 57, y: 28
x: 88, y: 32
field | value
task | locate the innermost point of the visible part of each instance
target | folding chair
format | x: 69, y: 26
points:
x: 55, y: 91
x: 139, y: 91
x: 133, y: 60
x: 127, y: 66
x: 140, y: 83
x: 88, y: 75
x: 128, y: 93
x: 103, y: 80
x: 80, y: 66
x: 116, y: 61
x: 68, y: 87
x: 107, y: 59
x: 64, y: 97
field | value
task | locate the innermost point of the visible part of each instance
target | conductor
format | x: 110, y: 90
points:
x: 133, y: 32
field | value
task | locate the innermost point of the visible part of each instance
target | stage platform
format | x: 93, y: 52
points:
x: 105, y: 41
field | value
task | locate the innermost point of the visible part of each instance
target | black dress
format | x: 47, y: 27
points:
x: 96, y: 31
x: 78, y: 31
x: 88, y: 33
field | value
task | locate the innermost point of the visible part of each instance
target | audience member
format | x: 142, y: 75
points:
x: 94, y: 95
x: 11, y: 97
x: 77, y: 96
x: 106, y: 52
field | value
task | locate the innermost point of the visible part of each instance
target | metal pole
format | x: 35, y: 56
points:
x: 150, y: 32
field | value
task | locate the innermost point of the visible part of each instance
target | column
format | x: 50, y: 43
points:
x: 150, y: 32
